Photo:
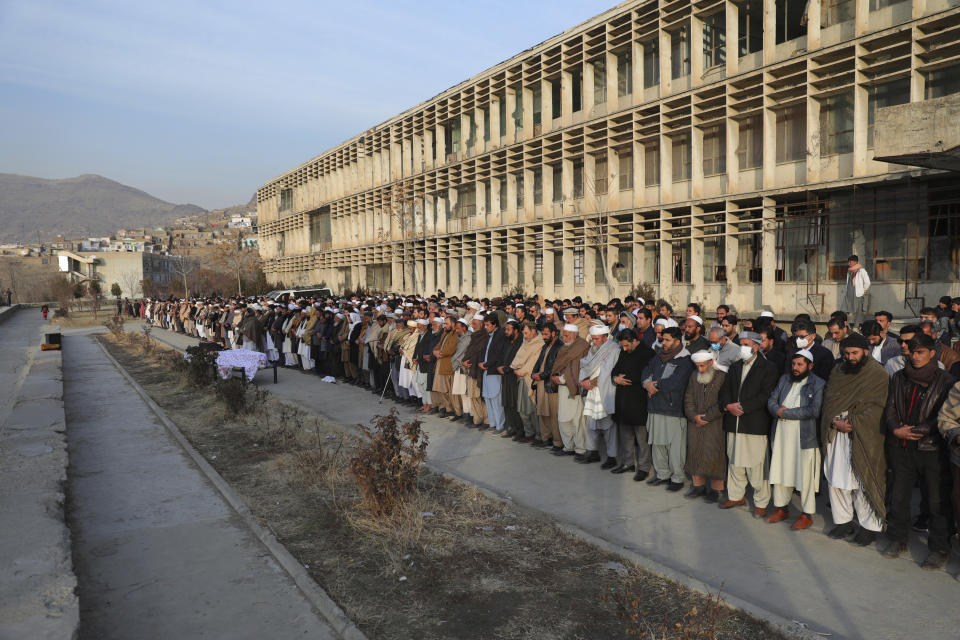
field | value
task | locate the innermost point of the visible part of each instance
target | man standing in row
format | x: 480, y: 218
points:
x: 852, y: 433
x: 631, y: 404
x: 600, y: 401
x: 566, y: 375
x: 546, y: 391
x: 665, y: 380
x: 744, y: 399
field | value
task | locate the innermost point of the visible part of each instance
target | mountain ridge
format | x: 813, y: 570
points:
x: 85, y: 205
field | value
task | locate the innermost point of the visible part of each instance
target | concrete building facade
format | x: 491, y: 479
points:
x: 126, y: 268
x: 719, y: 150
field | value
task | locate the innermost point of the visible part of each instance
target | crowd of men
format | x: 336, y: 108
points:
x: 672, y: 399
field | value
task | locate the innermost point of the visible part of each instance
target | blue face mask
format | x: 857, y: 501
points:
x: 623, y: 326
x: 716, y: 346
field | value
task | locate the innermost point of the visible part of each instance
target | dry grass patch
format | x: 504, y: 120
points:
x: 447, y: 562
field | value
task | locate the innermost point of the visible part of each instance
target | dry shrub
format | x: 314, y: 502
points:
x: 283, y: 430
x: 202, y: 361
x: 240, y: 396
x: 631, y: 607
x: 387, y: 467
x: 115, y: 326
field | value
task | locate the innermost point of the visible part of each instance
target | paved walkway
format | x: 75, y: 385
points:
x: 832, y: 587
x: 158, y: 551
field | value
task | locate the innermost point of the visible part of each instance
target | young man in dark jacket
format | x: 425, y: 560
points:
x: 743, y: 398
x: 631, y: 405
x: 916, y: 451
x: 546, y: 390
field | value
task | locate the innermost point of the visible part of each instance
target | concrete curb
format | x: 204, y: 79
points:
x: 7, y: 312
x: 38, y: 597
x: 787, y: 627
x: 332, y: 613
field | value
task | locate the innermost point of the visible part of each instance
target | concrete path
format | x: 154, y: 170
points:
x: 830, y: 586
x: 158, y: 551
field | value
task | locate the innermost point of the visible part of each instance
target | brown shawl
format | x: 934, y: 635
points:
x: 567, y: 364
x: 863, y: 396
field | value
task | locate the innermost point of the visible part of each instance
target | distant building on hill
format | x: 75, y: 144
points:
x: 127, y: 268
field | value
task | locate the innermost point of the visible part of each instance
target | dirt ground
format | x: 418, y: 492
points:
x: 84, y: 318
x: 452, y: 563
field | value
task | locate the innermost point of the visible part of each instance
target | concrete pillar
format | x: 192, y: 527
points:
x: 733, y: 160
x: 417, y: 153
x: 547, y: 288
x: 496, y: 276
x: 639, y: 174
x: 429, y: 281
x: 586, y: 90
x: 769, y: 148
x: 495, y: 204
x: 732, y: 25
x: 666, y: 168
x: 860, y: 116
x: 528, y: 207
x: 591, y: 201
x: 511, y: 125
x: 483, y: 287
x: 666, y: 271
x: 566, y: 98
x: 396, y: 270
x: 666, y: 82
x: 696, y: 256
x: 590, y: 266
x: 429, y: 160
x: 769, y: 31
x: 546, y: 173
x: 862, y: 19
x: 768, y: 259
x: 495, y: 140
x: 696, y: 51
x: 511, y: 208
x: 696, y: 162
x: 481, y: 198
x: 466, y: 127
x: 814, y: 141
x: 813, y: 24
x: 731, y: 252
x: 636, y: 69
x: 441, y: 139
x: 612, y: 99
x: 613, y: 179
x: 480, y: 145
x: 567, y: 184
x: 546, y: 105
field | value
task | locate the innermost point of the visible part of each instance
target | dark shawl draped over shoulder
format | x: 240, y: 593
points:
x: 567, y: 364
x: 863, y: 396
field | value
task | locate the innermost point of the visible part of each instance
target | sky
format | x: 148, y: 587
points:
x: 202, y: 102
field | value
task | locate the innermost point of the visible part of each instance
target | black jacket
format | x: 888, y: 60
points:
x: 631, y: 401
x: 778, y: 358
x: 544, y: 365
x: 510, y: 352
x: 823, y: 360
x: 923, y: 415
x: 424, y: 347
x: 496, y: 355
x: 752, y: 395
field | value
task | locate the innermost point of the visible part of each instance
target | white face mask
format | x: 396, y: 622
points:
x: 622, y: 326
x: 803, y: 343
x: 746, y: 352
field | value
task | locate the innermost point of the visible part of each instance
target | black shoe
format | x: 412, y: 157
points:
x: 864, y: 538
x: 507, y: 434
x: 695, y: 491
x: 640, y: 475
x: 921, y: 524
x: 841, y: 531
x: 936, y: 560
x: 894, y: 550
x: 442, y: 413
x: 516, y: 436
x: 557, y: 451
x: 545, y: 444
x: 579, y: 457
x: 711, y: 496
x: 623, y: 468
x: 453, y: 417
x: 654, y: 481
x: 589, y: 457
x: 569, y: 453
x: 609, y: 464
x: 674, y: 486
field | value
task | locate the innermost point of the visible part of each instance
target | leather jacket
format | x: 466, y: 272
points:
x: 898, y: 409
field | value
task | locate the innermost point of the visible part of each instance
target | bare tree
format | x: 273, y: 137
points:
x: 402, y: 212
x: 130, y: 283
x: 184, y: 267
x: 236, y: 260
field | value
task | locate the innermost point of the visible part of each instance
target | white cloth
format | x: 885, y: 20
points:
x: 844, y: 503
x: 250, y: 361
x: 786, y: 465
x: 837, y: 464
x: 861, y: 282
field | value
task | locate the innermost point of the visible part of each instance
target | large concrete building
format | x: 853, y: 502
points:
x: 720, y: 150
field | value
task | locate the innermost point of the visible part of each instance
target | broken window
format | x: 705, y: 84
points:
x: 791, y: 133
x: 679, y: 53
x: 578, y: 262
x: 503, y: 194
x: 651, y: 64
x: 518, y: 109
x: 625, y: 170
x: 714, y: 259
x: 750, y: 27
x: 681, y: 261
x: 286, y: 199
x: 836, y: 124
x: 624, y: 73
x: 836, y: 11
x: 714, y: 150
x: 791, y: 19
x: 750, y: 143
x: 451, y: 135
x: 714, y: 40
x: 503, y: 115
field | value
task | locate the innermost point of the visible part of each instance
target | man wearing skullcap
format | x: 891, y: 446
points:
x: 566, y: 375
x: 795, y: 460
x: 746, y: 422
x: 599, y: 404
x: 852, y: 434
x: 706, y: 449
x: 693, y: 334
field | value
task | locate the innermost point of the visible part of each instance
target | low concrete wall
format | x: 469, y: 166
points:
x: 7, y: 312
x: 37, y: 583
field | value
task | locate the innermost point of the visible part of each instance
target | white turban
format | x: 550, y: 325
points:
x: 599, y: 330
x: 437, y: 319
x: 697, y: 319
x: 412, y: 323
x: 478, y: 316
x: 548, y: 311
x: 571, y: 327
x: 473, y: 304
x: 701, y: 356
x: 423, y: 321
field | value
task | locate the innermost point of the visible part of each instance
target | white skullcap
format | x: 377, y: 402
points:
x: 571, y: 327
x: 696, y: 319
x: 805, y: 353
x: 412, y: 324
x: 641, y: 301
x: 766, y: 314
x: 479, y: 316
x: 548, y: 311
x: 473, y: 304
x: 317, y: 305
x: 599, y: 330
x: 408, y: 304
x: 464, y: 322
x: 423, y: 321
x: 437, y: 319
x: 363, y: 306
x: 701, y: 356
x: 519, y: 304
x: 662, y: 322
x: 672, y: 323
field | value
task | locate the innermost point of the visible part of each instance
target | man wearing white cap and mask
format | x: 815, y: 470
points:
x: 600, y: 402
x: 795, y: 461
x: 746, y: 422
x: 706, y: 449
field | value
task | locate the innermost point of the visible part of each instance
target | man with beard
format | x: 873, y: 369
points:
x: 645, y: 326
x: 249, y: 326
x: 566, y: 375
x: 461, y: 401
x: 805, y: 337
x: 693, y: 335
x: 546, y: 391
x: 493, y: 359
x: 795, y: 462
x: 522, y: 362
x: 471, y: 362
x: 665, y: 380
x: 725, y: 352
x: 600, y: 402
x: 706, y: 449
x: 852, y: 433
x: 443, y: 371
x: 631, y: 405
x: 744, y: 400
x: 917, y: 453
x: 512, y: 342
